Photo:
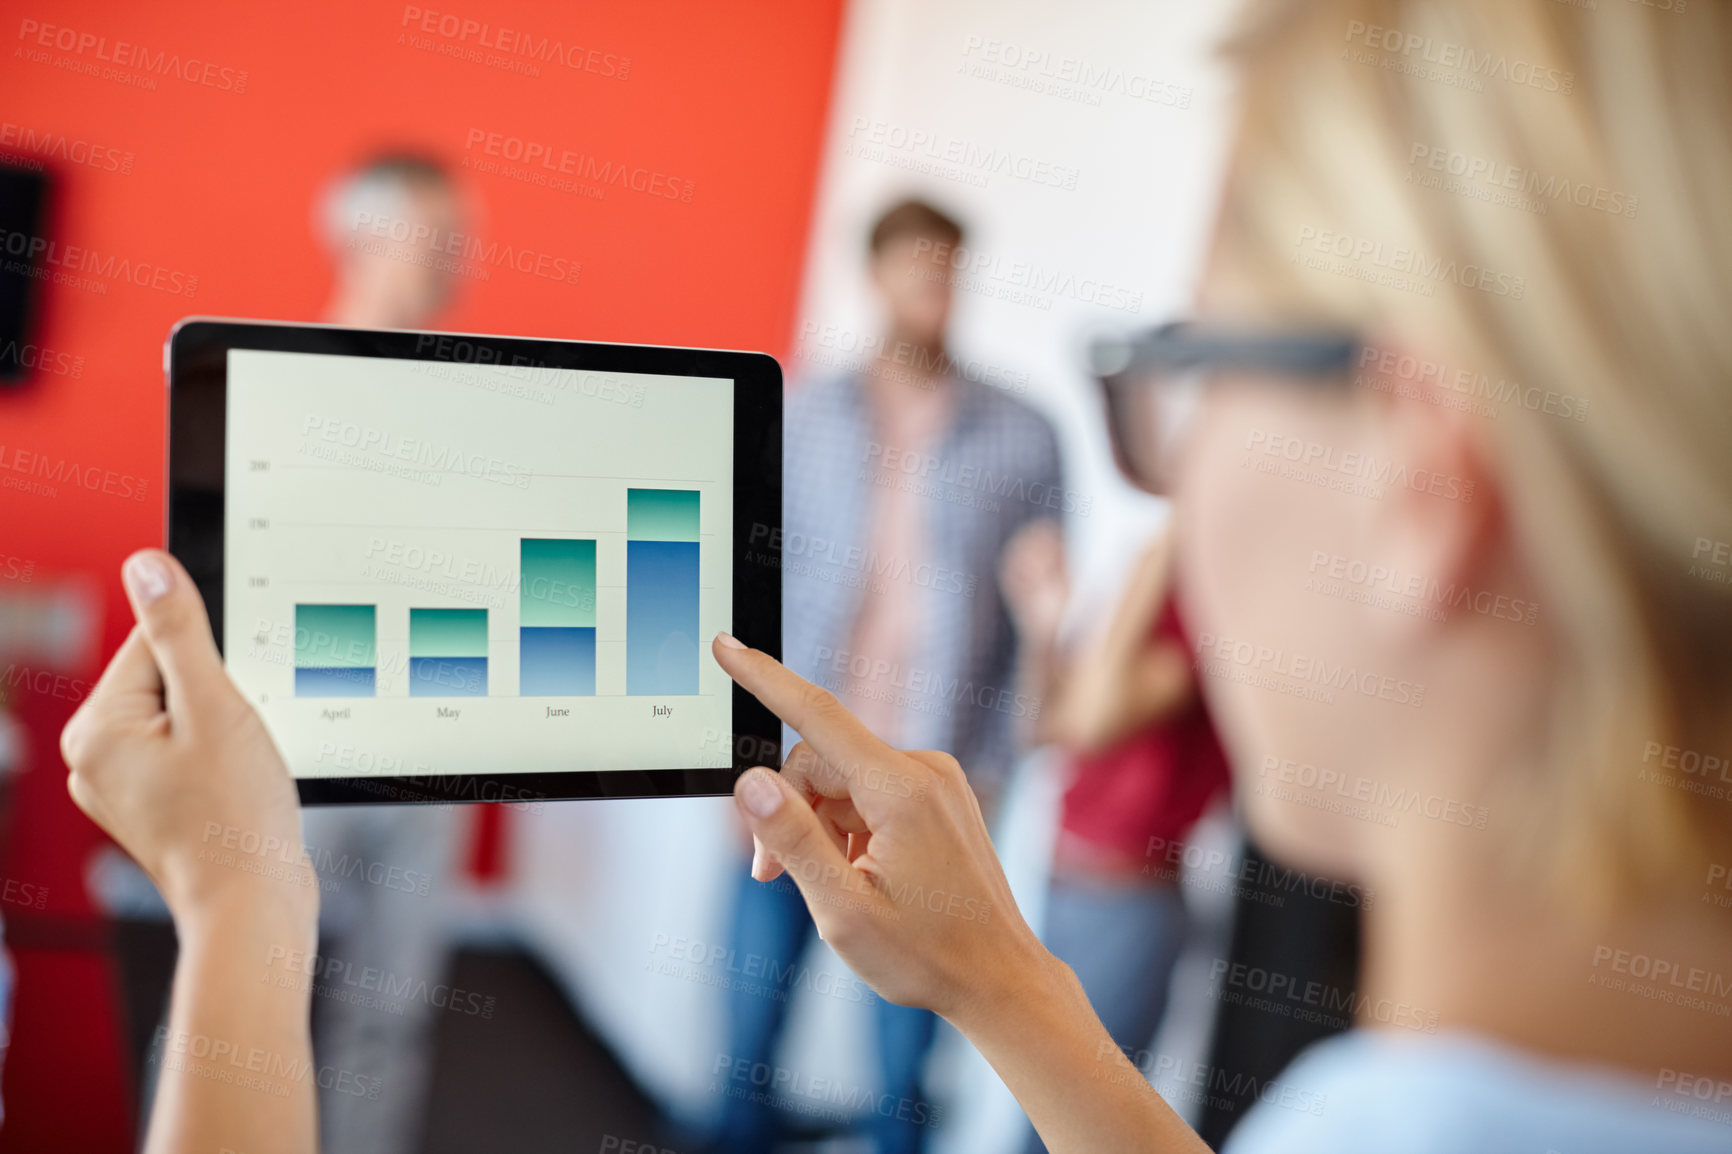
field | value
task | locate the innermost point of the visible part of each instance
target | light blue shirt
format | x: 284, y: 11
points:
x: 1386, y: 1093
x: 995, y: 469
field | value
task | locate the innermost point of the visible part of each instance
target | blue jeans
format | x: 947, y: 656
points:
x: 770, y: 921
x: 1123, y: 941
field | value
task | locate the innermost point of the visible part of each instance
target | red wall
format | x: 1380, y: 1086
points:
x: 729, y: 97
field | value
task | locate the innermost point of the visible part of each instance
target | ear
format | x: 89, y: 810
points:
x: 1440, y: 527
x: 878, y: 272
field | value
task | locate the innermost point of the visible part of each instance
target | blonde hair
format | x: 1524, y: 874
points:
x: 1578, y: 240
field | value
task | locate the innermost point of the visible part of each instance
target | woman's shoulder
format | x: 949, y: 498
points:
x: 1455, y: 1093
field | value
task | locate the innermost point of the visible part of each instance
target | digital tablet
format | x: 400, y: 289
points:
x: 452, y: 568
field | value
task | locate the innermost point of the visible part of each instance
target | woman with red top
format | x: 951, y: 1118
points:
x: 1123, y: 708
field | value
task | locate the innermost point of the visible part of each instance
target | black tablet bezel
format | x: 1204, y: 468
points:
x: 195, y: 359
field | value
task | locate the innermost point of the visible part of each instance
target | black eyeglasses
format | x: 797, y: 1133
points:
x: 1153, y: 380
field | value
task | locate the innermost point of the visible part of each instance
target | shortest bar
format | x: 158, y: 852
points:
x: 447, y: 653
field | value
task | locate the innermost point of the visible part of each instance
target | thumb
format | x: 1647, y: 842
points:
x: 790, y: 834
x: 172, y: 616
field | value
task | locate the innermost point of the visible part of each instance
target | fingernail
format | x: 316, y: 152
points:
x: 730, y: 641
x: 762, y: 796
x: 146, y: 578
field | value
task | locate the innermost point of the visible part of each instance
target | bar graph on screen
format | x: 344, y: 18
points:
x: 450, y: 649
x: 411, y: 582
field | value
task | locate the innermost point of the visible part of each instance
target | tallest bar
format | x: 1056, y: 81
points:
x: 661, y: 592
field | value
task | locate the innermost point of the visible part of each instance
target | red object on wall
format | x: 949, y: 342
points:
x: 188, y: 144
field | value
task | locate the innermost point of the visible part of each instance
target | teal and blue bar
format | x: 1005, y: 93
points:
x: 447, y: 653
x: 556, y: 614
x: 336, y: 650
x: 661, y: 592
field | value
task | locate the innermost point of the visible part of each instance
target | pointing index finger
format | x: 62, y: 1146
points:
x: 811, y: 710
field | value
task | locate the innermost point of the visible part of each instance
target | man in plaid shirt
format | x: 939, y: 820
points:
x: 904, y: 479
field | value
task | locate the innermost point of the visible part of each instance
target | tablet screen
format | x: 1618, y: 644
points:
x: 437, y: 568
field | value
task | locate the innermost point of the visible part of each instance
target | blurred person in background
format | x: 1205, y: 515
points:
x: 1122, y: 708
x: 1124, y: 712
x: 380, y: 224
x: 904, y: 482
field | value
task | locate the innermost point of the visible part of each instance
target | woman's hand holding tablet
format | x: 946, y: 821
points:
x: 177, y: 767
x: 174, y: 764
